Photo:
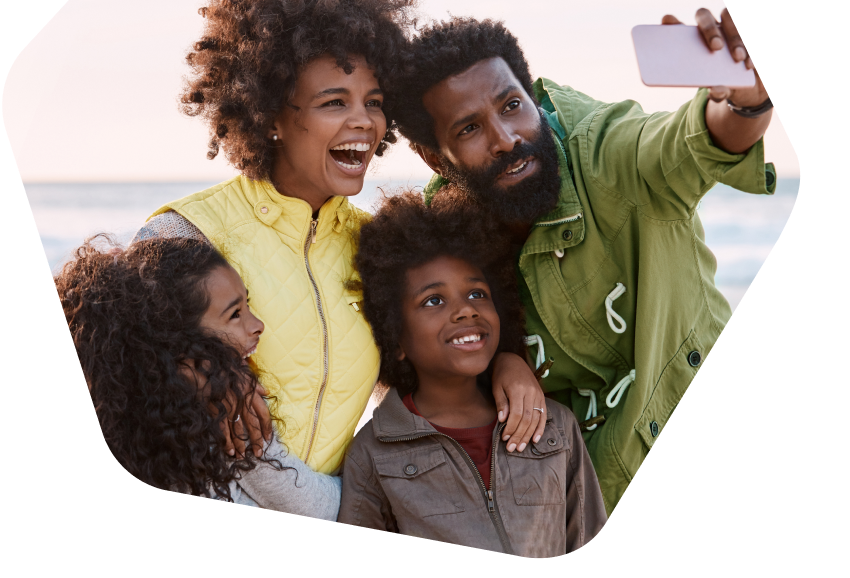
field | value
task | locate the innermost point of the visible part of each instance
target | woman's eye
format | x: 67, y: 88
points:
x: 433, y: 301
x: 376, y: 103
x: 336, y: 102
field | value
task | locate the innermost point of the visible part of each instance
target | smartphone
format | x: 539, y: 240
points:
x: 676, y: 55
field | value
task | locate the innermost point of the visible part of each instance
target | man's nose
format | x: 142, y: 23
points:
x: 503, y: 139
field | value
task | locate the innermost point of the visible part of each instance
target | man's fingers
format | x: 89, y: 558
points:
x: 709, y: 29
x: 736, y: 45
x: 670, y: 19
x: 719, y: 93
x: 502, y: 405
x: 749, y: 63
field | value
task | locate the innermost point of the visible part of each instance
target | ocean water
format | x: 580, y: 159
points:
x: 740, y: 229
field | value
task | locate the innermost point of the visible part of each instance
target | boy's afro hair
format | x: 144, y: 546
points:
x: 445, y: 49
x: 405, y: 234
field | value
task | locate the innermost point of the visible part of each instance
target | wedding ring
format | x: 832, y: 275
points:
x: 538, y: 409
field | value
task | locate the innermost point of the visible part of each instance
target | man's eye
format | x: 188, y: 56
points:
x: 236, y: 314
x: 433, y: 301
x: 467, y: 129
x: 512, y: 105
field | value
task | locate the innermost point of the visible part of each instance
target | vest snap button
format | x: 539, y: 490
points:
x: 551, y: 442
x: 567, y: 235
x: 409, y: 469
x: 264, y: 210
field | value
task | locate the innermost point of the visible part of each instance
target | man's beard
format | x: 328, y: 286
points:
x: 523, y: 202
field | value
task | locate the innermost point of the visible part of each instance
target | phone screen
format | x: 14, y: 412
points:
x: 676, y: 55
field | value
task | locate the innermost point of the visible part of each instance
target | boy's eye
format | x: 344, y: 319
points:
x: 433, y: 301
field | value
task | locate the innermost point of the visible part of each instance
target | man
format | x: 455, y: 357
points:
x: 617, y: 281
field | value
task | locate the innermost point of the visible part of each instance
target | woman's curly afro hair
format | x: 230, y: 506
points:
x: 445, y: 49
x: 134, y: 316
x: 245, y: 65
x: 405, y: 234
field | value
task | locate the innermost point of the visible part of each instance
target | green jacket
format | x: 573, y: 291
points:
x: 627, y: 216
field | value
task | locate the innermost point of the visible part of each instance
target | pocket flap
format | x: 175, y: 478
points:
x: 411, y: 463
x: 551, y: 442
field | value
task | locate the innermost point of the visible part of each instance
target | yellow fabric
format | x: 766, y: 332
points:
x: 263, y: 235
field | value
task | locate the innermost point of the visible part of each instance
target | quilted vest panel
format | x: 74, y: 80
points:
x: 267, y: 237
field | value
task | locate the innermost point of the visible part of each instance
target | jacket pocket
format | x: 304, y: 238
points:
x: 419, y: 482
x: 538, y: 472
x: 669, y: 389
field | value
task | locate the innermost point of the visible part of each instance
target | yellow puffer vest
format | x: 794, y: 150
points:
x: 317, y: 351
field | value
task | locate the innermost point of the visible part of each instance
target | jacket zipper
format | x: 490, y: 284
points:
x: 311, y: 238
x: 570, y: 219
x: 489, y: 496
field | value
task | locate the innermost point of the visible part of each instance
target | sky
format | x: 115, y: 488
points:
x: 93, y: 98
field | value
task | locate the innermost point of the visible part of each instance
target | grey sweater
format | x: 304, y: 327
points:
x: 296, y: 489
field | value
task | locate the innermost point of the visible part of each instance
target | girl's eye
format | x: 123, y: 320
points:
x: 434, y: 301
x: 477, y: 295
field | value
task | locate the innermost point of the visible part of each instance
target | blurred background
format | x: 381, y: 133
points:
x: 91, y: 110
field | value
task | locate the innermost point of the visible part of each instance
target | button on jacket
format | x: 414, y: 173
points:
x: 402, y: 475
x: 617, y: 280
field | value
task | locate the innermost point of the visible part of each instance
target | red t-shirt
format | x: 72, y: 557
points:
x: 475, y: 440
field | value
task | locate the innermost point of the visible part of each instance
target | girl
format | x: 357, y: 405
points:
x: 164, y: 335
x: 293, y: 92
x: 440, y: 293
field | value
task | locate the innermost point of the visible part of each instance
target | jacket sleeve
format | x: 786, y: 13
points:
x: 585, y: 508
x: 664, y: 162
x: 296, y: 489
x: 363, y: 501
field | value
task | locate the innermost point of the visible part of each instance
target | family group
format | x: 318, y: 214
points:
x: 529, y: 321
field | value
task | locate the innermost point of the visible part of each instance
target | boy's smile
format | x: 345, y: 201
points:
x: 451, y: 328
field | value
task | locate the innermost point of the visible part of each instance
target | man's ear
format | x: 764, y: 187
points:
x: 431, y: 159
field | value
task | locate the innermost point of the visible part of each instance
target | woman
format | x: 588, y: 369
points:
x: 163, y: 331
x: 293, y: 92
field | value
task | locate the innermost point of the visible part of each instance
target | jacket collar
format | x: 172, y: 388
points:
x: 392, y: 419
x: 269, y: 206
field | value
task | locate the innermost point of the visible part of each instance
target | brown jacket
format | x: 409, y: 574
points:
x: 401, y: 475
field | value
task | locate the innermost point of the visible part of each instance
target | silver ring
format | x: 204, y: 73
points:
x: 238, y: 417
x: 538, y: 409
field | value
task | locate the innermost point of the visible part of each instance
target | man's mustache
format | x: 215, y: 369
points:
x: 500, y: 165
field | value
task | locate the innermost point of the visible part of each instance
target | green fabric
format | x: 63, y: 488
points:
x: 630, y: 209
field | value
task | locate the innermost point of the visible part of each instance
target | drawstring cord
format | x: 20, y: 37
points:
x: 609, y: 309
x: 591, y: 409
x: 620, y: 389
x: 541, y: 355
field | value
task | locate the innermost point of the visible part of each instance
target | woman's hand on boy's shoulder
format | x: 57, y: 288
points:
x: 517, y: 394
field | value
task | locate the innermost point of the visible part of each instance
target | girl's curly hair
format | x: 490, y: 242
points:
x: 245, y: 65
x: 405, y: 234
x: 134, y: 316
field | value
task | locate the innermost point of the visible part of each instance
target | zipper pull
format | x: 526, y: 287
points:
x: 491, y: 506
x: 313, y: 224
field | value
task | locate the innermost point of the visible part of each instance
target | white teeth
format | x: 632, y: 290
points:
x: 353, y: 146
x: 467, y: 339
x: 346, y: 165
x: 250, y: 353
x: 519, y: 168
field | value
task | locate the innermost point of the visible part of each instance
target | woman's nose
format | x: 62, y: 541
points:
x: 360, y: 119
x: 258, y: 326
